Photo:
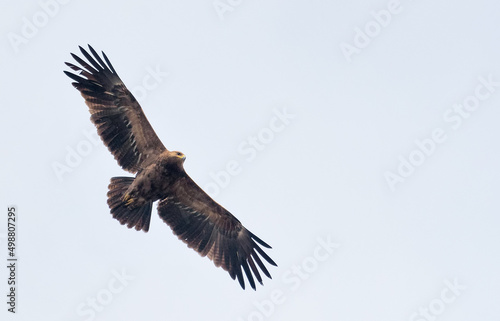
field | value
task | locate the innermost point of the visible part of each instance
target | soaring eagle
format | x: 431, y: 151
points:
x: 193, y: 216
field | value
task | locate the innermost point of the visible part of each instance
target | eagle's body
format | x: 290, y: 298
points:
x: 156, y: 180
x: 193, y: 216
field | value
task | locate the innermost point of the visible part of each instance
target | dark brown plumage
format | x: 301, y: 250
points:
x: 193, y: 216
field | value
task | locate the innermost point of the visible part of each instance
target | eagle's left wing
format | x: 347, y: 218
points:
x: 115, y: 112
x: 212, y: 231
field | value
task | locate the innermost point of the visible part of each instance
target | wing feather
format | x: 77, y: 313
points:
x: 115, y: 112
x: 212, y: 231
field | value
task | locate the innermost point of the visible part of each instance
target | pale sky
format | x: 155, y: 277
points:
x: 359, y: 139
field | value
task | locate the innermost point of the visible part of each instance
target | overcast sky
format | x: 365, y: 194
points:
x: 358, y: 138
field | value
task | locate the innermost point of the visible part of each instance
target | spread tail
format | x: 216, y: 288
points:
x: 138, y: 217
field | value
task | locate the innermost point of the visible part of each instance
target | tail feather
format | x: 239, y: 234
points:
x: 138, y: 217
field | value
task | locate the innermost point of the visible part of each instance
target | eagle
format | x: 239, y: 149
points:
x: 194, y: 217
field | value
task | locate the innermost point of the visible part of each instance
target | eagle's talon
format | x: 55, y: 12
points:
x: 128, y: 200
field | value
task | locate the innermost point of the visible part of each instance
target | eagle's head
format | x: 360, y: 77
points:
x: 175, y: 158
x: 178, y: 156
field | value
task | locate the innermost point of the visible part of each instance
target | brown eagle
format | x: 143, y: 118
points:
x: 193, y: 216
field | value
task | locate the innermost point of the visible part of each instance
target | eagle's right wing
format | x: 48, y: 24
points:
x: 212, y: 231
x: 115, y: 112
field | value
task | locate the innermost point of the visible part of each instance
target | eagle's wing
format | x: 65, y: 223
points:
x: 212, y: 231
x: 119, y: 118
